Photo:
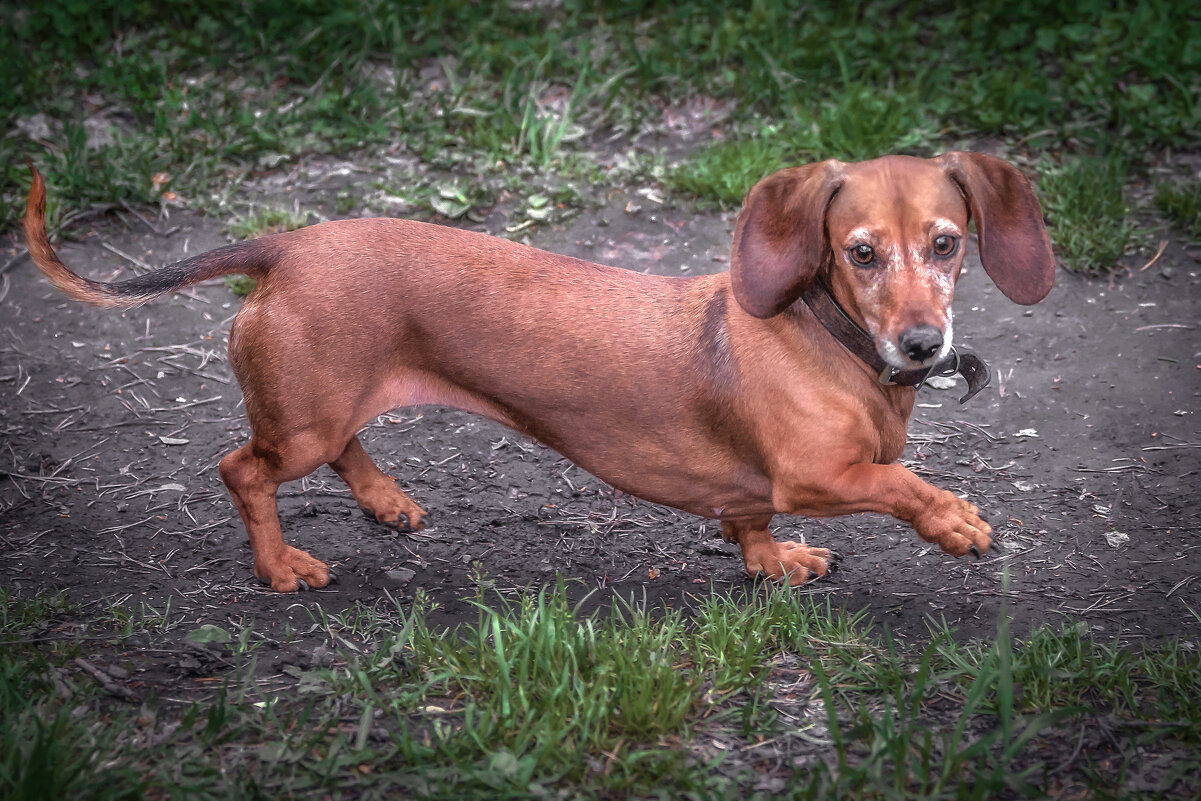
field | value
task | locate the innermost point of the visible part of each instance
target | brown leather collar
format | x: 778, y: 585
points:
x: 857, y: 341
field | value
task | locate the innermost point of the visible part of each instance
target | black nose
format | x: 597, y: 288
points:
x: 920, y: 342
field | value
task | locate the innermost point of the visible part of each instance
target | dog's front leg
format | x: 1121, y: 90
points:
x: 938, y: 516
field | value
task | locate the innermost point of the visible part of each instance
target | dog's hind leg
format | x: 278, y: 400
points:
x: 253, y: 474
x: 375, y: 492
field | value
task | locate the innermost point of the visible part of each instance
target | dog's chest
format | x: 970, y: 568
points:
x: 890, y: 418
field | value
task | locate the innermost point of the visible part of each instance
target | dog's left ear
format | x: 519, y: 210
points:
x: 780, y: 239
x: 1014, y: 247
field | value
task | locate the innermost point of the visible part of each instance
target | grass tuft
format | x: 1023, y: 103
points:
x: 267, y: 220
x: 726, y: 171
x: 1180, y: 202
x: 1086, y: 212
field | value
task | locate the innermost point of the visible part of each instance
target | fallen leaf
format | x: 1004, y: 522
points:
x: 1117, y: 539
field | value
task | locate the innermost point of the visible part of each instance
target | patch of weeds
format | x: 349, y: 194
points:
x: 18, y: 613
x: 856, y: 124
x: 240, y: 285
x: 456, y: 200
x: 536, y: 674
x: 91, y: 173
x: 534, y: 111
x: 346, y: 201
x: 266, y: 220
x: 1180, y: 202
x: 897, y: 745
x: 1170, y: 675
x: 543, y: 127
x: 725, y: 171
x: 862, y: 122
x: 145, y: 619
x: 260, y: 222
x: 537, y: 208
x: 893, y: 744
x: 47, y: 749
x: 1086, y: 212
x: 1066, y: 668
x: 46, y: 753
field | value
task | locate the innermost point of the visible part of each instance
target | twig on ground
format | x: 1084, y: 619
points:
x: 106, y: 681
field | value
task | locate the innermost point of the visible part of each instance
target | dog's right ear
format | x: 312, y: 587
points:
x: 780, y: 239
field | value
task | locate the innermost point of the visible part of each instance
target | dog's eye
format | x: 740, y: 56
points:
x: 944, y: 245
x: 863, y: 254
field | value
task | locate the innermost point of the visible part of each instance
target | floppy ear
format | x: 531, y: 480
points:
x: 1014, y: 246
x: 780, y: 239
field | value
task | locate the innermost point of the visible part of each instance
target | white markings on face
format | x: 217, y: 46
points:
x: 892, y: 355
x: 944, y: 281
x: 922, y: 254
x: 948, y: 335
x: 899, y: 263
x: 918, y: 253
x: 893, y: 254
x: 858, y: 236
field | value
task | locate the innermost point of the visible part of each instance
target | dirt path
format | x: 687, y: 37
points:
x: 1084, y: 454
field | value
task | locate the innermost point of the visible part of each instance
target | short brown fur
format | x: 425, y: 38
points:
x: 720, y: 395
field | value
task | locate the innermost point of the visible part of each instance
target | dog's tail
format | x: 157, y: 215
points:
x: 253, y: 258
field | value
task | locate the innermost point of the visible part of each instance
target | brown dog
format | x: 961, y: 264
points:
x: 725, y: 395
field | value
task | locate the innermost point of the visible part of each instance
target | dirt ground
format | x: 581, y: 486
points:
x: 1084, y: 454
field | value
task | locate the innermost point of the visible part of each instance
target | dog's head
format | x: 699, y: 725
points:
x: 888, y: 237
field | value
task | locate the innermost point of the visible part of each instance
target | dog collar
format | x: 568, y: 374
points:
x: 835, y: 320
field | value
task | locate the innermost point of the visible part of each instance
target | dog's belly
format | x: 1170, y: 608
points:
x: 687, y: 473
x: 416, y: 388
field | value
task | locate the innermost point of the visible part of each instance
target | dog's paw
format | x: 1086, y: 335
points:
x: 292, y: 570
x: 791, y: 561
x: 399, y: 513
x: 955, y: 526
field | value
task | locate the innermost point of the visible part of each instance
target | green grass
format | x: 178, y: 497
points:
x: 1180, y: 202
x: 266, y: 220
x: 18, y: 613
x: 535, y: 700
x: 856, y: 124
x: 725, y: 171
x: 1086, y: 212
x: 206, y: 94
